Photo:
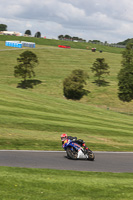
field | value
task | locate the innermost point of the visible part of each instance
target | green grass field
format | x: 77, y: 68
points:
x: 46, y: 184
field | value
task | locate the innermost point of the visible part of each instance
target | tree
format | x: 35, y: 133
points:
x: 3, y: 27
x: 73, y: 85
x: 100, y: 68
x: 125, y: 75
x: 126, y: 42
x: 94, y: 41
x: 25, y: 68
x: 60, y: 37
x: 37, y: 34
x: 67, y: 36
x: 28, y: 32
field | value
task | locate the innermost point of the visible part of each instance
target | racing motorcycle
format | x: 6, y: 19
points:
x: 75, y: 151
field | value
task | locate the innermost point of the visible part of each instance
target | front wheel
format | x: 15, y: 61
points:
x: 91, y: 156
x: 72, y: 153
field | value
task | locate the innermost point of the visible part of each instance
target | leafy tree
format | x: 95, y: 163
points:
x: 75, y: 38
x: 3, y: 27
x: 126, y: 42
x: 38, y: 34
x: 100, y: 68
x: 28, y: 32
x: 94, y: 41
x: 60, y: 37
x: 67, y: 36
x: 73, y: 85
x: 125, y: 75
x: 25, y: 67
x: 127, y: 55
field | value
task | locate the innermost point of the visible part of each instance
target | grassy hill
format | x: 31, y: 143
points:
x: 53, y: 42
x: 35, y: 118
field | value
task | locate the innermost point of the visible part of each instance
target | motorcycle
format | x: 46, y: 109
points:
x: 75, y: 151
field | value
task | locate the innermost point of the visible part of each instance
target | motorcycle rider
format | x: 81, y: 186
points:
x: 74, y: 139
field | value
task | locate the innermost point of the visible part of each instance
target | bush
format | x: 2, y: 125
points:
x: 73, y: 85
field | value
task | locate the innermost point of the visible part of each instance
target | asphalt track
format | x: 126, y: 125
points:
x: 104, y: 162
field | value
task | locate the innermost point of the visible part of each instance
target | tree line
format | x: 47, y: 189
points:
x: 3, y: 27
x: 70, y: 38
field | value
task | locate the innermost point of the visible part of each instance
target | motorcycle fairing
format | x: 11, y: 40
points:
x: 72, y: 144
x: 81, y: 154
x: 76, y: 146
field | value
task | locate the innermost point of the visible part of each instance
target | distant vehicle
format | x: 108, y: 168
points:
x: 64, y: 46
x: 93, y: 49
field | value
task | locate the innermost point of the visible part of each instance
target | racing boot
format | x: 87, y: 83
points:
x: 86, y: 150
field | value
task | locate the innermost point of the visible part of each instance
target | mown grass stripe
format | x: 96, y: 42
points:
x: 32, y: 123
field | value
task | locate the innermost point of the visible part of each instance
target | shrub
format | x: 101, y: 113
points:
x: 73, y: 85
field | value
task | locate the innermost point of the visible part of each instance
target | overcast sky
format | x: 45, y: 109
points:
x: 104, y: 20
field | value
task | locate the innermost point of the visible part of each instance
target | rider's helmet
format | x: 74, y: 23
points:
x: 63, y: 137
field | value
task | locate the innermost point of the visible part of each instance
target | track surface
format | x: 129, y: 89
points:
x: 104, y: 162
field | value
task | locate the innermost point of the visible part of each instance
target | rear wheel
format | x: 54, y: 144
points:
x: 72, y: 153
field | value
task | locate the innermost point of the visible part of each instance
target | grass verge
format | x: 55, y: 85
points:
x: 37, y: 184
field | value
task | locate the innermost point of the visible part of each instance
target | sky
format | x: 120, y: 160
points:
x: 104, y: 20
